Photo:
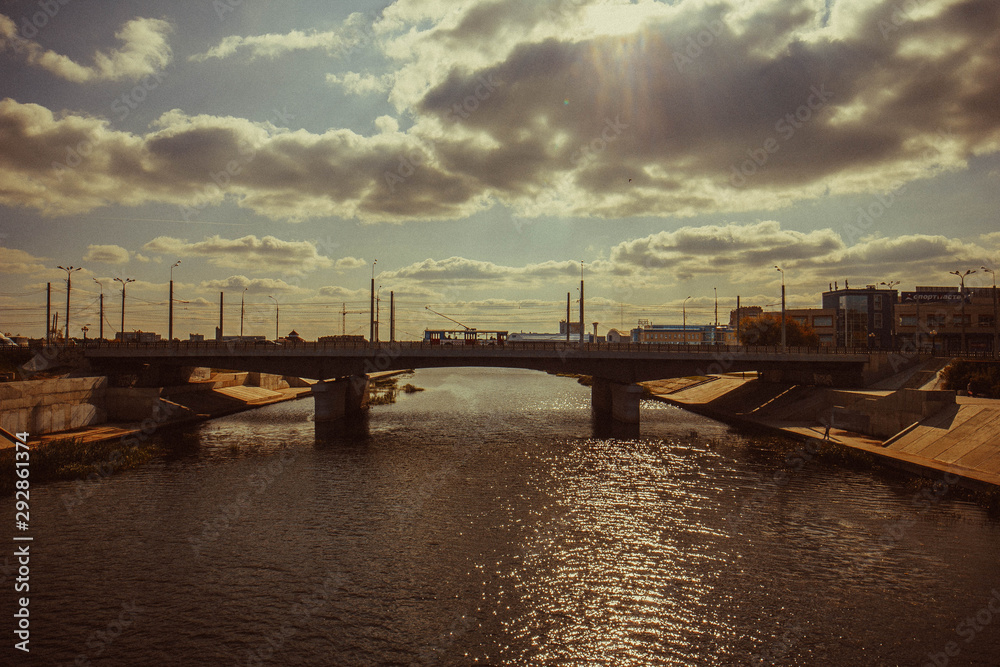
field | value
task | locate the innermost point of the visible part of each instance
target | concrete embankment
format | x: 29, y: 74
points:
x: 89, y: 409
x: 929, y: 433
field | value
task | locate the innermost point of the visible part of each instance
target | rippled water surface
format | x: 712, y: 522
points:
x: 483, y: 521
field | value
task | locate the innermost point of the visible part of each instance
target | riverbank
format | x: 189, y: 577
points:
x: 959, y: 437
x: 99, y: 450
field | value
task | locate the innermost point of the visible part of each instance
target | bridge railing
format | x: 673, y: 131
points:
x: 553, y: 346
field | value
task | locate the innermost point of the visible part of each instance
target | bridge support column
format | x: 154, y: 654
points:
x: 342, y: 398
x: 615, y: 401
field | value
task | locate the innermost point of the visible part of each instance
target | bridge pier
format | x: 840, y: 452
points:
x: 341, y: 398
x: 615, y: 401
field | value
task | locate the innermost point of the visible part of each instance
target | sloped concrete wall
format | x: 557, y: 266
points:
x: 886, y: 416
x: 48, y: 406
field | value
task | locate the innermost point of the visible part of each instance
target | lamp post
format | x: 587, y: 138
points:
x: 892, y: 333
x: 996, y: 325
x: 684, y: 319
x: 783, y: 338
x: 275, y: 315
x: 70, y: 270
x: 933, y: 333
x: 961, y: 278
x: 378, y: 303
x: 170, y: 320
x: 102, y: 307
x: 242, y: 308
x: 371, y: 306
x: 124, y: 282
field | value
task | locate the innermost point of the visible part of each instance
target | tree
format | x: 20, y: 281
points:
x: 766, y: 330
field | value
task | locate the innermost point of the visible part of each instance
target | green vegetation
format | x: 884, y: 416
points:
x: 984, y: 376
x: 74, y: 459
x: 766, y: 330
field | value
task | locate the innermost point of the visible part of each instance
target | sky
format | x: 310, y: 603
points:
x: 484, y: 152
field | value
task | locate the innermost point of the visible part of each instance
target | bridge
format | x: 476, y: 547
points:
x: 341, y: 368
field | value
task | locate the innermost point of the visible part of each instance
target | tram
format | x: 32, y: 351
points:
x: 464, y: 337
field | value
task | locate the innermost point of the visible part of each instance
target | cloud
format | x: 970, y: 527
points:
x: 599, y: 108
x: 721, y: 249
x: 19, y: 261
x: 360, y: 84
x: 475, y: 273
x: 249, y: 252
x: 253, y: 285
x: 145, y: 51
x: 106, y: 254
x: 353, y: 33
x: 348, y: 263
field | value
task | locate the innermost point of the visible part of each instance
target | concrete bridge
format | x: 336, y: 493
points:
x: 341, y: 367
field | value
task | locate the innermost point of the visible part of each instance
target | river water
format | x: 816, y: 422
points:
x: 482, y: 521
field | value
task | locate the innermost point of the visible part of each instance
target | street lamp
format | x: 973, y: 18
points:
x: 242, y: 304
x: 889, y: 285
x: 102, y: 307
x: 378, y: 302
x: 961, y: 277
x: 685, y: 318
x: 170, y: 323
x: 933, y: 333
x: 996, y: 325
x: 70, y: 270
x: 371, y: 307
x: 783, y: 339
x: 275, y: 315
x: 124, y: 282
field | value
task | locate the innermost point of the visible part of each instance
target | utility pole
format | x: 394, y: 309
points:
x: 961, y: 278
x: 242, y: 309
x: 737, y: 319
x: 716, y: 290
x: 996, y: 325
x: 684, y: 319
x: 70, y: 270
x: 568, y: 301
x: 124, y: 282
x: 371, y: 307
x: 392, y: 316
x: 581, y: 305
x: 222, y: 298
x: 343, y: 317
x: 276, y: 335
x: 783, y: 339
x: 48, y: 313
x: 102, y: 306
x: 378, y: 302
x: 170, y: 322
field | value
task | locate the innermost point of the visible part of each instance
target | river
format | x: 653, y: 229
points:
x: 482, y: 521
